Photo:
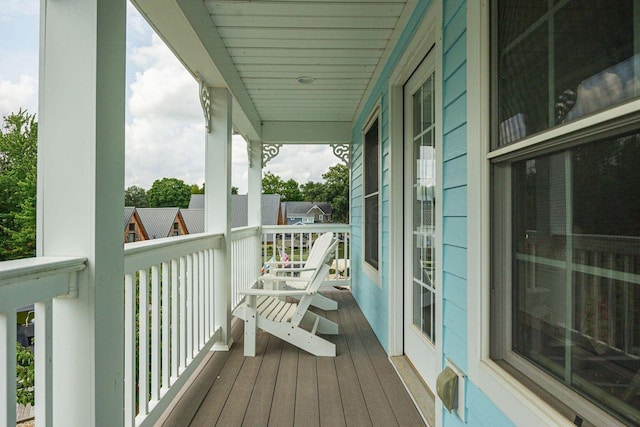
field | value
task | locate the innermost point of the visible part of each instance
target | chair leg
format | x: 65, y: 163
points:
x: 250, y: 326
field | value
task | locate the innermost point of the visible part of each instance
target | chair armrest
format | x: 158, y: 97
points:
x: 290, y: 270
x: 272, y: 278
x: 275, y: 293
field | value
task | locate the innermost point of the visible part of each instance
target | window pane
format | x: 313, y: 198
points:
x: 576, y: 270
x: 371, y: 230
x: 371, y: 159
x: 562, y: 61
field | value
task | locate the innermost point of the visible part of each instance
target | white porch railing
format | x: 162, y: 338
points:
x: 174, y: 279
x: 25, y: 282
x: 245, y: 260
x: 296, y: 241
x: 169, y: 309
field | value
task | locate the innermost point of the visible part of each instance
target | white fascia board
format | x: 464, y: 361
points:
x: 306, y: 132
x: 187, y: 29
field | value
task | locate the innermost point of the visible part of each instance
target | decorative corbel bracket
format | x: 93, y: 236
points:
x: 205, y: 101
x: 269, y: 151
x: 250, y: 153
x: 343, y: 152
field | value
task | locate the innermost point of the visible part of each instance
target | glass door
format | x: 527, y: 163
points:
x: 420, y: 221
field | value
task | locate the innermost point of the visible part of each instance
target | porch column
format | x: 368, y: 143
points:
x: 254, y: 200
x: 80, y: 204
x: 218, y: 206
x: 254, y: 193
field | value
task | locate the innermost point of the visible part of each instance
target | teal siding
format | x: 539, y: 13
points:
x: 454, y: 184
x: 374, y: 300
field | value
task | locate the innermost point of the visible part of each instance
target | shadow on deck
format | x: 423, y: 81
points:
x: 284, y: 386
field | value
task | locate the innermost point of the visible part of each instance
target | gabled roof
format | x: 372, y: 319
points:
x: 128, y: 211
x: 193, y: 219
x: 298, y: 209
x: 158, y: 221
x: 239, y: 203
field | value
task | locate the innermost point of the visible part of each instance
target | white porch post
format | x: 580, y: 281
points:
x: 254, y: 193
x: 218, y: 206
x: 80, y: 202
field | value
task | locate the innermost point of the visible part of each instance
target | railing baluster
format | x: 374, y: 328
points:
x: 43, y: 345
x: 143, y: 343
x: 155, y: 334
x: 212, y: 275
x: 8, y: 368
x: 189, y: 308
x: 166, y: 313
x: 175, y: 325
x: 129, y: 351
x: 183, y: 313
x: 201, y: 300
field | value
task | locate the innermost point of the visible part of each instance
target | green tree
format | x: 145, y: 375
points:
x: 18, y: 159
x: 136, y: 196
x: 313, y: 191
x: 288, y: 190
x: 169, y: 192
x: 195, y: 189
x: 234, y: 190
x: 337, y: 191
x: 25, y: 375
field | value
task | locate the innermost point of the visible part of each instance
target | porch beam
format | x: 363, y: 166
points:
x: 80, y: 204
x: 217, y: 201
x: 254, y: 193
x: 306, y: 132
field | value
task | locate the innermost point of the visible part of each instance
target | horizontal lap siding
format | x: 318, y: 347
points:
x: 480, y: 410
x: 374, y: 300
x: 454, y: 185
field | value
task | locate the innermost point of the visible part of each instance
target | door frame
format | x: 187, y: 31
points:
x: 426, y: 40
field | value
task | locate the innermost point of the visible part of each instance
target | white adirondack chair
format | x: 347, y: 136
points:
x: 317, y: 255
x: 289, y: 321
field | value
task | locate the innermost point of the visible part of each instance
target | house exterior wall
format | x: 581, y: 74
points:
x: 372, y: 297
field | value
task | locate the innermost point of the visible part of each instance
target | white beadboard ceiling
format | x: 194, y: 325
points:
x: 259, y: 49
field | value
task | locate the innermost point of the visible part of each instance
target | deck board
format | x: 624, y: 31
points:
x: 285, y: 386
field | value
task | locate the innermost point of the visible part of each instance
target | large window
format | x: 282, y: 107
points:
x: 561, y: 60
x: 566, y: 209
x: 371, y: 192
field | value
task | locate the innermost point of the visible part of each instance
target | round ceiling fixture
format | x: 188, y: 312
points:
x: 305, y: 80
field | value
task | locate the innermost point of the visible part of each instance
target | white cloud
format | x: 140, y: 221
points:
x: 165, y: 131
x: 165, y: 134
x: 16, y: 95
x: 303, y: 163
x: 12, y: 8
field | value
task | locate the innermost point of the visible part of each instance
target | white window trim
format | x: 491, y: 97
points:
x: 512, y: 398
x: 427, y: 37
x: 374, y: 274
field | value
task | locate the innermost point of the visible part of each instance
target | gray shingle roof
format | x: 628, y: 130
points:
x: 157, y: 221
x: 270, y: 210
x: 193, y: 219
x: 197, y: 201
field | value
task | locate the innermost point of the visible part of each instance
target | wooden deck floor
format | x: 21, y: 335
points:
x: 284, y: 386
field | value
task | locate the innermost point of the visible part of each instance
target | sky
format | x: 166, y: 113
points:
x: 164, y: 135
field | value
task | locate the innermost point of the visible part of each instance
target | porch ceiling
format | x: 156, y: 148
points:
x: 259, y: 49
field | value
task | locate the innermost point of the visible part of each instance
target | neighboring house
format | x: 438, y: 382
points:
x: 162, y: 222
x: 272, y: 212
x: 134, y: 231
x: 308, y: 212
